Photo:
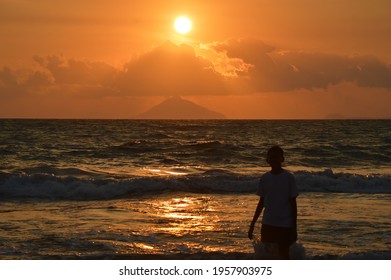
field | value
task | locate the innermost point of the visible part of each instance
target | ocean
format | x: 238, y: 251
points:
x: 185, y: 189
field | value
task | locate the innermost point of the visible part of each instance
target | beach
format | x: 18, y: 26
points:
x: 90, y: 189
x: 189, y: 226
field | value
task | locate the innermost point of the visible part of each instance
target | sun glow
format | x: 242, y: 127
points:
x: 182, y: 25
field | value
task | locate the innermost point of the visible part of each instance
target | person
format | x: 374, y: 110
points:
x: 278, y: 192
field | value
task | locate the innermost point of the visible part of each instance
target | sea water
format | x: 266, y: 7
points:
x: 109, y: 189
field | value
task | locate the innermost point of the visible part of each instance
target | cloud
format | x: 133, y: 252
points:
x: 249, y: 49
x: 55, y: 75
x: 166, y: 70
x: 38, y: 79
x: 7, y: 78
x: 276, y: 70
x: 72, y: 71
x: 234, y: 67
x: 16, y: 83
x: 171, y: 70
x: 231, y: 67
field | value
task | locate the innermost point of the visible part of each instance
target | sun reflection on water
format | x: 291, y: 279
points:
x: 185, y: 215
x: 180, y: 171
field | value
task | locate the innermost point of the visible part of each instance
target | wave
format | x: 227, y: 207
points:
x: 93, y: 187
x: 58, y: 171
x: 206, y: 145
x: 137, y: 146
x: 328, y: 181
x: 145, y: 146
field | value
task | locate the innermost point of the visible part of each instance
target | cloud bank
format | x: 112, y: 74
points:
x: 278, y: 70
x: 233, y: 67
x: 170, y: 70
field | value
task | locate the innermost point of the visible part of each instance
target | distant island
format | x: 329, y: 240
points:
x: 178, y: 108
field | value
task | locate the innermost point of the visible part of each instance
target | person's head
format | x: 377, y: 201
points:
x: 275, y: 156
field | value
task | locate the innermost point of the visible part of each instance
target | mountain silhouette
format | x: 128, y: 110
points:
x: 178, y: 108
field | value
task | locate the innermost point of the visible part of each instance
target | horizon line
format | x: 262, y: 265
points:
x: 198, y: 119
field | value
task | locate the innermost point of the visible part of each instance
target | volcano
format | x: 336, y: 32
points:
x: 178, y: 108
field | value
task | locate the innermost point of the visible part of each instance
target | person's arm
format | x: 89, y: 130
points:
x: 294, y: 211
x: 294, y: 193
x: 294, y: 215
x: 257, y: 213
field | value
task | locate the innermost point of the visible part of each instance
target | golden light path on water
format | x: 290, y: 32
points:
x: 185, y: 223
x: 180, y: 218
x: 187, y: 215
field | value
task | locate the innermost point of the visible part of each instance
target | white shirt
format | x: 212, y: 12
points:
x: 277, y: 190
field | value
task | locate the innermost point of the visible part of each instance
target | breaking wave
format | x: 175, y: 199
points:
x: 89, y: 186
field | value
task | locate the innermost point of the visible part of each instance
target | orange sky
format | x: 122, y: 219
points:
x: 244, y: 59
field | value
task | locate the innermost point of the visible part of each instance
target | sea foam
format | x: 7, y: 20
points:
x: 91, y: 187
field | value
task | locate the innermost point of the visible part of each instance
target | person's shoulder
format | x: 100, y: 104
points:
x: 288, y: 174
x: 265, y: 175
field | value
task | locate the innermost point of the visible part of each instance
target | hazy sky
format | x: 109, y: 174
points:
x: 244, y: 59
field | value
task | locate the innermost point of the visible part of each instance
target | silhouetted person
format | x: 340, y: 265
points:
x: 278, y: 192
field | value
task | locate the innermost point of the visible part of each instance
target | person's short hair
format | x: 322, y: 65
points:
x: 276, y: 149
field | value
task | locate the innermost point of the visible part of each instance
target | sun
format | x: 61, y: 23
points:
x: 182, y: 25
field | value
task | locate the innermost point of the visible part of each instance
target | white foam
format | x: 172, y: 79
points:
x: 91, y: 187
x: 264, y: 251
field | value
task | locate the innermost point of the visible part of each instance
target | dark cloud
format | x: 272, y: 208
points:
x: 166, y: 70
x: 274, y: 70
x: 249, y: 50
x: 13, y: 83
x: 170, y: 70
x: 8, y: 78
x: 72, y: 71
x: 38, y: 79
x: 57, y: 75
